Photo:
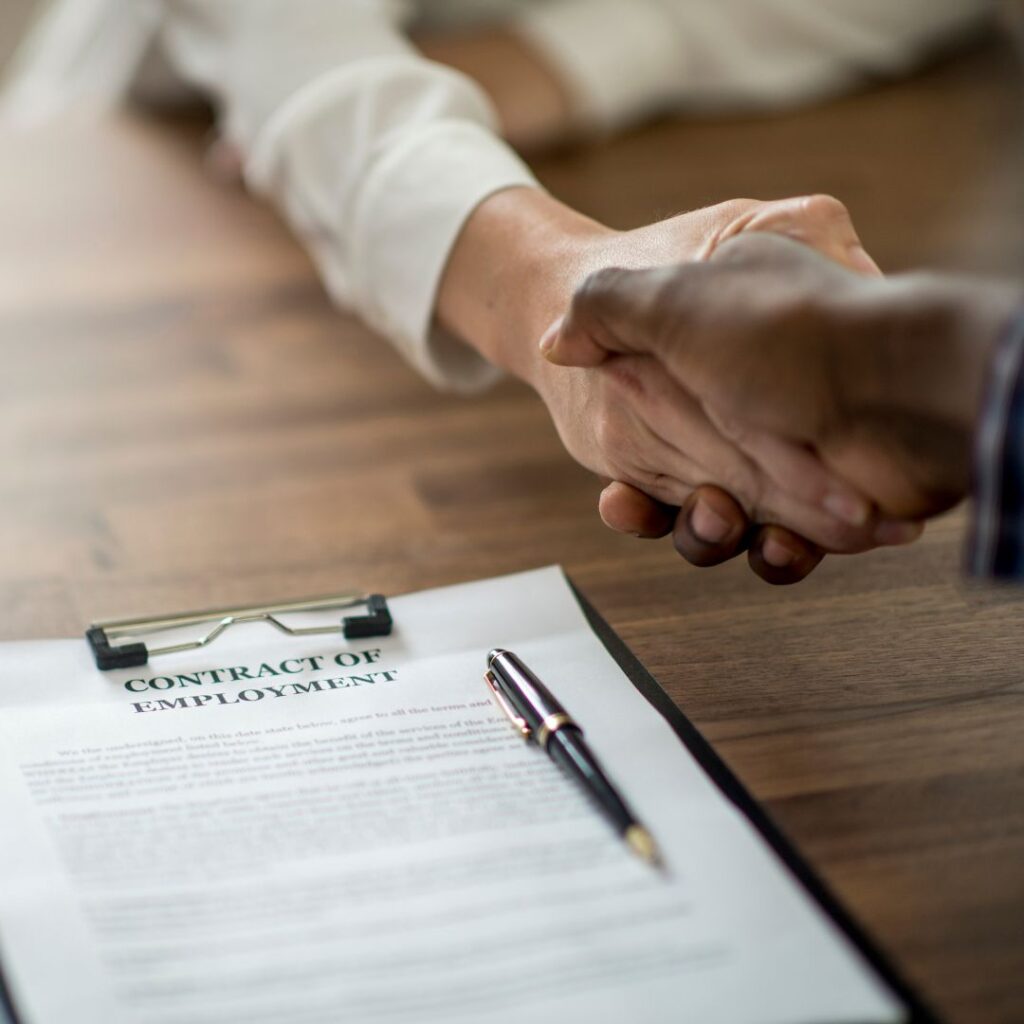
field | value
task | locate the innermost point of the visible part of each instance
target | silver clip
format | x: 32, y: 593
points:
x: 119, y: 644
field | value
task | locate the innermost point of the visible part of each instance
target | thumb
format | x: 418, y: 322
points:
x: 626, y: 509
x: 614, y: 311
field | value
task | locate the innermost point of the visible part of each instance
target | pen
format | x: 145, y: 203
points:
x: 537, y: 715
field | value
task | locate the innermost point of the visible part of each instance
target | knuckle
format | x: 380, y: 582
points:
x: 727, y: 418
x: 822, y: 206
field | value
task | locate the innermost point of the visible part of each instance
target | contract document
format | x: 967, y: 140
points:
x: 313, y: 830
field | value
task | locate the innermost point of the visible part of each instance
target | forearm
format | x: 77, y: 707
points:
x: 512, y: 271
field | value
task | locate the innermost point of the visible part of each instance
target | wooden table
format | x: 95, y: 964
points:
x: 186, y: 421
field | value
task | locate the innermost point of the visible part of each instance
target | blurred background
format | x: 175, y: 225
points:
x: 14, y: 16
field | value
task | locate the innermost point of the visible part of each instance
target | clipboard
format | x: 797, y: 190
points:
x: 378, y: 618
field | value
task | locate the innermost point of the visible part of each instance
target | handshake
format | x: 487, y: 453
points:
x: 775, y: 394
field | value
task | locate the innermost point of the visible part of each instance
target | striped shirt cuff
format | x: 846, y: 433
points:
x: 997, y: 532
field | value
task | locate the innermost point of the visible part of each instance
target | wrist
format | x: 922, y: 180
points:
x: 924, y: 349
x: 512, y: 271
x: 980, y: 316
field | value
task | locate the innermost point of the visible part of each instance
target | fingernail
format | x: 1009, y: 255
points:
x: 777, y: 554
x: 550, y: 336
x: 892, y: 532
x: 708, y: 525
x: 854, y: 511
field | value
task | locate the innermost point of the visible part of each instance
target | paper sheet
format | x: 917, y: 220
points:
x: 351, y: 831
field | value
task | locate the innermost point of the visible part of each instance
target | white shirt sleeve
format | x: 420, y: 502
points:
x: 375, y: 155
x: 626, y: 59
x: 77, y: 55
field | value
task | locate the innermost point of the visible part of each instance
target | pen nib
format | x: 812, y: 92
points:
x: 642, y: 843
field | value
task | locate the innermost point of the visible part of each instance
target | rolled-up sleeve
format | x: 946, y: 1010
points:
x: 376, y: 156
x: 627, y: 59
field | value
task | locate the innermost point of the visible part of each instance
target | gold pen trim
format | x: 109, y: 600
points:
x: 642, y: 843
x: 551, y: 725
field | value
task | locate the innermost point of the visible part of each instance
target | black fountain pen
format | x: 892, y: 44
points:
x: 538, y: 716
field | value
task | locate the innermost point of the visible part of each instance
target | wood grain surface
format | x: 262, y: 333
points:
x: 186, y: 421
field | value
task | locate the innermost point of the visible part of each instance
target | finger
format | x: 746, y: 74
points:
x: 781, y: 557
x: 793, y: 468
x: 820, y: 221
x: 814, y: 524
x: 897, y: 532
x: 711, y: 527
x: 614, y: 311
x: 680, y: 444
x: 822, y: 509
x: 796, y: 489
x: 626, y: 509
x: 670, y: 412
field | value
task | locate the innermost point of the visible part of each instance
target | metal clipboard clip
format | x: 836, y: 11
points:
x: 132, y: 650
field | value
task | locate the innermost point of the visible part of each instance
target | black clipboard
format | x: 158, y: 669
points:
x: 731, y: 787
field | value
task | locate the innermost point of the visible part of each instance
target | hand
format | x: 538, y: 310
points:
x: 515, y: 267
x: 710, y: 528
x: 879, y: 378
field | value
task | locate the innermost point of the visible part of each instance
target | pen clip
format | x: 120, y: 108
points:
x: 518, y: 722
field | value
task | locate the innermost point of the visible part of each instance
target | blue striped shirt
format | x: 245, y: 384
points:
x: 997, y: 532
